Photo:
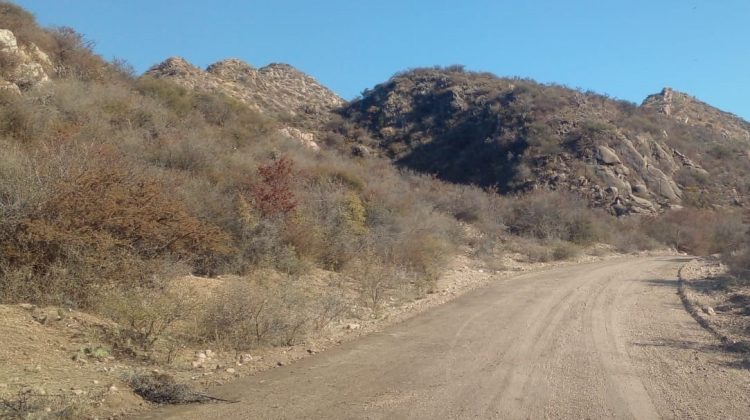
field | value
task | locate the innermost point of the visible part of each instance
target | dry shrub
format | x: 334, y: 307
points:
x: 565, y: 251
x: 21, y: 118
x: 698, y: 231
x: 266, y: 310
x: 103, y: 223
x: 374, y: 278
x: 161, y: 388
x: 262, y: 245
x: 549, y: 215
x: 330, y: 224
x: 74, y: 57
x: 424, y: 253
x: 535, y: 251
x: 630, y: 236
x: 110, y: 206
x: 27, y: 403
x: 146, y: 315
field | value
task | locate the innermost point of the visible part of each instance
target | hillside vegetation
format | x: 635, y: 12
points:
x: 112, y: 186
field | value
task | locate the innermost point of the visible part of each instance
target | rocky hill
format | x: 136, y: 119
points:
x: 518, y: 135
x: 277, y: 90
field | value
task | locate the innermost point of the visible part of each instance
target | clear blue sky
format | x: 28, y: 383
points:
x: 625, y: 48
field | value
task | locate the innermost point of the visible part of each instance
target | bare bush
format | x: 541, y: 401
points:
x: 698, y: 231
x: 552, y: 215
x: 145, y: 315
x: 256, y: 311
x: 374, y: 278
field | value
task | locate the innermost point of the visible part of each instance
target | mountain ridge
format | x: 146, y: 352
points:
x: 276, y: 89
x: 519, y: 135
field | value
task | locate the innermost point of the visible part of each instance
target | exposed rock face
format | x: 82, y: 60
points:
x: 691, y: 111
x: 519, y: 135
x: 306, y: 138
x: 23, y: 66
x: 277, y: 90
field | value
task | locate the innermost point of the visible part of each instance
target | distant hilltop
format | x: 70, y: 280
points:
x: 278, y: 90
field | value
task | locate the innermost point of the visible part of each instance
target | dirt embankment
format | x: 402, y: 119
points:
x: 718, y: 302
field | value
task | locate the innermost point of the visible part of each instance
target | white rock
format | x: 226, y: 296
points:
x: 246, y: 358
x: 231, y: 370
x: 353, y: 326
x: 8, y: 41
x: 305, y: 138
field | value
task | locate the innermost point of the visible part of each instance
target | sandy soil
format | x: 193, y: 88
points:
x: 593, y: 340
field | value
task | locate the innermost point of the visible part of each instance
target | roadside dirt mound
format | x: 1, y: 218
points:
x: 51, y: 362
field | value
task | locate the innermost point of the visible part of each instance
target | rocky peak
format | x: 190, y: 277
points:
x: 689, y: 110
x: 275, y: 90
x: 661, y: 102
x: 174, y: 67
x: 231, y: 69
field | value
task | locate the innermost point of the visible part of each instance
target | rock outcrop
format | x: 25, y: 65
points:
x: 23, y: 66
x: 691, y: 111
x: 276, y: 90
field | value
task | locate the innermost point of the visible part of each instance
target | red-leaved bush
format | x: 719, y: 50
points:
x: 272, y: 194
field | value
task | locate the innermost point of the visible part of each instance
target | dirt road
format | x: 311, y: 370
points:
x: 600, y: 340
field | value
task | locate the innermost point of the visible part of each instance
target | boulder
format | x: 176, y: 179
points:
x: 640, y: 190
x: 661, y: 184
x: 612, y: 180
x: 641, y: 205
x: 27, y: 65
x: 606, y: 155
x: 8, y: 41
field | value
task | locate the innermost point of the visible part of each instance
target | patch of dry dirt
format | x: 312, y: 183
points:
x: 717, y: 302
x: 51, y: 354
